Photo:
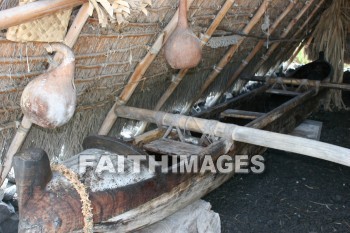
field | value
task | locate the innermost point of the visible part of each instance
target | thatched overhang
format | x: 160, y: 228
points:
x: 106, y: 58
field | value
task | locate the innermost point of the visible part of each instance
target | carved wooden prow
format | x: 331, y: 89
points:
x: 36, y: 211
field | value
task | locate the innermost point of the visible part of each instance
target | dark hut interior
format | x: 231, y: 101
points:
x: 124, y: 86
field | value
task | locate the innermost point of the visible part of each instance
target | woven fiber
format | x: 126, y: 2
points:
x: 51, y: 28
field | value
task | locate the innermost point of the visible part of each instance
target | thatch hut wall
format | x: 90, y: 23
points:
x: 106, y: 57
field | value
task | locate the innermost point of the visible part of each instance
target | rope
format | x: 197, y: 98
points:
x: 86, y: 208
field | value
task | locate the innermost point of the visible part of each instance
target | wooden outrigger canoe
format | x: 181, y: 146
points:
x: 48, y: 203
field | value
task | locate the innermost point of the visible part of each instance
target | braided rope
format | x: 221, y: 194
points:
x: 86, y: 208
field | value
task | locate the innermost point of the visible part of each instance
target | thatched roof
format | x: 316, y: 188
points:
x: 106, y: 58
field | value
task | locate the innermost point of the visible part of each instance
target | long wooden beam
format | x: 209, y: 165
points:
x: 205, y: 38
x: 241, y: 134
x: 297, y: 82
x: 34, y: 10
x: 140, y: 70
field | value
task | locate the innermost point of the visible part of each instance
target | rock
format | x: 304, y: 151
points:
x: 10, y: 225
x: 6, y: 211
x: 195, y: 218
x: 11, y: 176
x: 2, y: 189
x: 9, y: 193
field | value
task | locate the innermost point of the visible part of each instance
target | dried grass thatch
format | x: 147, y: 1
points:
x: 106, y: 58
x: 330, y: 37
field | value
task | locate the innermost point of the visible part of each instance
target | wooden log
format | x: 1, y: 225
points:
x: 140, y: 70
x: 34, y: 10
x: 242, y: 134
x: 234, y: 113
x: 298, y: 82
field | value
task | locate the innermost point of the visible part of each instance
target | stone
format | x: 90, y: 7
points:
x: 9, y: 193
x: 195, y: 218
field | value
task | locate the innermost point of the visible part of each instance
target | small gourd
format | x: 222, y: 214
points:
x: 183, y: 49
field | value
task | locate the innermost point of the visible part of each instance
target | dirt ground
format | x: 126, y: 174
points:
x: 295, y: 193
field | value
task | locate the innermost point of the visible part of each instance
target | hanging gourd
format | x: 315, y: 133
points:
x: 183, y: 49
x: 49, y: 100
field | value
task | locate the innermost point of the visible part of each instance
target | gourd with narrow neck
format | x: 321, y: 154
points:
x: 183, y: 49
x: 50, y: 99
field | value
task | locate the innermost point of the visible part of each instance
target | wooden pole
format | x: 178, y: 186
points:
x: 34, y: 10
x: 140, y: 70
x: 297, y: 82
x: 22, y: 132
x: 242, y: 134
x: 16, y: 143
x: 182, y: 73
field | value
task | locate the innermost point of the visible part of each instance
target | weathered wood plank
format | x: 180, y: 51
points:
x: 234, y: 113
x: 282, y: 92
x: 170, y: 147
x: 149, y: 136
x: 309, y: 129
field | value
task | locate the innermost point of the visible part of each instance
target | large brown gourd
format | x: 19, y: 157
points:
x: 183, y: 49
x: 49, y: 100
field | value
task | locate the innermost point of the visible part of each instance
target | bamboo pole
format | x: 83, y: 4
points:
x: 297, y: 82
x: 182, y: 73
x: 140, y: 70
x: 242, y: 134
x: 26, y: 124
x: 34, y: 10
x: 16, y: 143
